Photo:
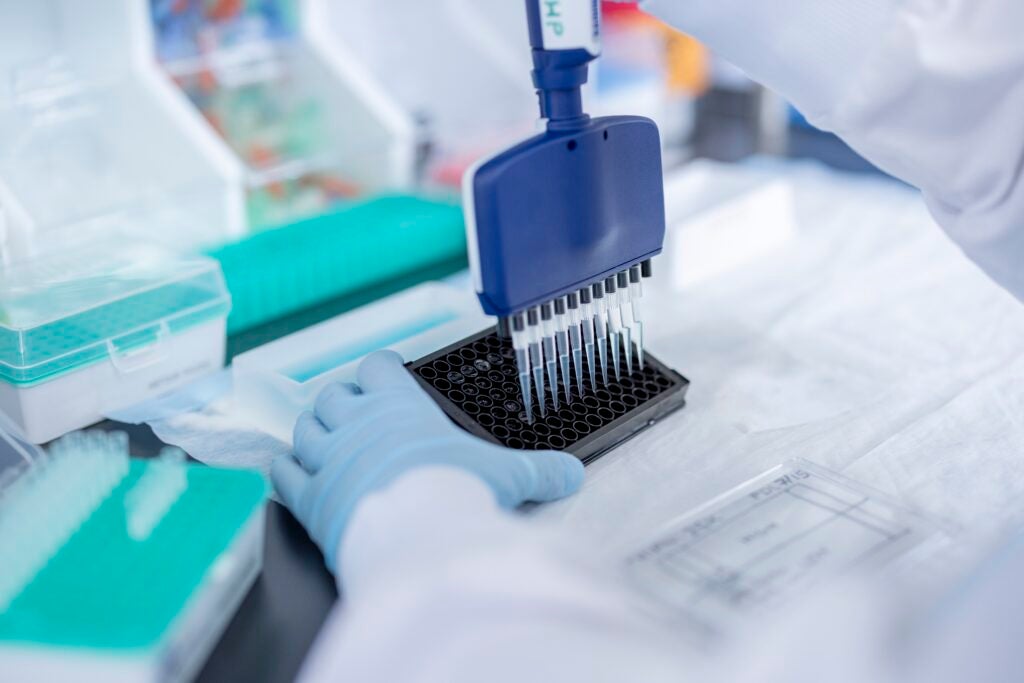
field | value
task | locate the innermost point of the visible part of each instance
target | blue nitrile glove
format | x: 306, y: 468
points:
x: 359, y: 439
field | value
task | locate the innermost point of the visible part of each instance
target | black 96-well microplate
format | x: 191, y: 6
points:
x: 476, y: 382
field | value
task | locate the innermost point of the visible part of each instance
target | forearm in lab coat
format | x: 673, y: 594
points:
x: 439, y: 584
x: 931, y: 91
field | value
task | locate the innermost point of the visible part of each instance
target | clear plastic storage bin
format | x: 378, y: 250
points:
x: 459, y: 70
x: 87, y: 132
x: 296, y: 130
x: 94, y: 327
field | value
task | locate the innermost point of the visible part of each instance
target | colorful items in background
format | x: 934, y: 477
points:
x: 637, y: 48
x: 689, y: 65
x: 649, y: 69
x: 277, y: 130
x: 194, y: 28
x: 233, y: 59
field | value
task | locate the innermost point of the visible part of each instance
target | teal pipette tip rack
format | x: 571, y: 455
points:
x: 122, y: 568
x: 281, y: 271
x: 96, y: 324
x: 79, y: 306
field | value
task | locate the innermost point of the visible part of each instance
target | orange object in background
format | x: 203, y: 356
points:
x: 207, y: 81
x: 333, y: 186
x: 687, y: 61
x: 689, y: 65
x: 262, y: 156
x: 222, y: 10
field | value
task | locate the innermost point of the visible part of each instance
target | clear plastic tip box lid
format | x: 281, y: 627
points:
x: 84, y: 304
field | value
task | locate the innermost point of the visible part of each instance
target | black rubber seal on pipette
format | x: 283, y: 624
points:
x: 531, y: 317
x: 573, y: 301
x: 545, y: 311
x: 645, y: 268
x: 609, y: 284
x: 559, y: 306
x: 598, y: 289
x: 634, y: 275
x: 517, y: 323
x: 623, y: 279
x: 605, y: 416
x: 585, y: 295
x: 504, y: 328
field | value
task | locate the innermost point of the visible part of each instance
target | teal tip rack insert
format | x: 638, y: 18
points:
x: 89, y: 301
x: 123, y: 581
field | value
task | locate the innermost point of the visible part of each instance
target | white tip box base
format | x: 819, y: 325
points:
x: 82, y: 397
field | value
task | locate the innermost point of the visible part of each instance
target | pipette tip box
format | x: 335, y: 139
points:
x: 121, y: 569
x: 474, y: 381
x: 98, y: 326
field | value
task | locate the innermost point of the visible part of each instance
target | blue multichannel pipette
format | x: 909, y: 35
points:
x: 568, y: 219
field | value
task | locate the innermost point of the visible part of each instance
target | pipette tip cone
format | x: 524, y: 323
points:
x: 553, y: 382
x: 628, y: 344
x: 524, y: 384
x: 538, y: 380
x: 566, y: 382
x: 590, y: 365
x: 577, y: 357
x: 616, y: 364
x: 640, y: 344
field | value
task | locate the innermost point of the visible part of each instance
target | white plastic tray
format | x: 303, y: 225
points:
x: 277, y: 381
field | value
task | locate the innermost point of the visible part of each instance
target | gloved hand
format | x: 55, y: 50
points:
x: 359, y: 439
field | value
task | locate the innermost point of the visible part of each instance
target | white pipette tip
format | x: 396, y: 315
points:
x: 47, y: 504
x: 520, y: 344
x: 628, y: 344
x: 640, y: 343
x: 550, y: 350
x: 616, y: 363
x: 538, y: 380
x: 524, y: 385
x: 590, y: 365
x: 553, y: 381
x: 626, y: 316
x: 566, y: 378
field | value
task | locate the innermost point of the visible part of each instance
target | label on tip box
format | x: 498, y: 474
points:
x: 571, y: 25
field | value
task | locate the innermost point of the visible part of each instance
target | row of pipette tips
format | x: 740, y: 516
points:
x: 555, y: 336
x: 47, y: 505
x: 147, y: 503
x: 44, y: 507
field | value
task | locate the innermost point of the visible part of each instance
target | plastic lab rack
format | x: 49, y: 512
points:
x: 290, y: 125
x: 275, y: 273
x: 275, y: 382
x: 97, y: 326
x: 474, y: 381
x: 89, y: 132
x: 116, y: 568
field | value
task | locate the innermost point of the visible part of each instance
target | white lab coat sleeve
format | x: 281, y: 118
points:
x: 931, y: 91
x: 439, y: 584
